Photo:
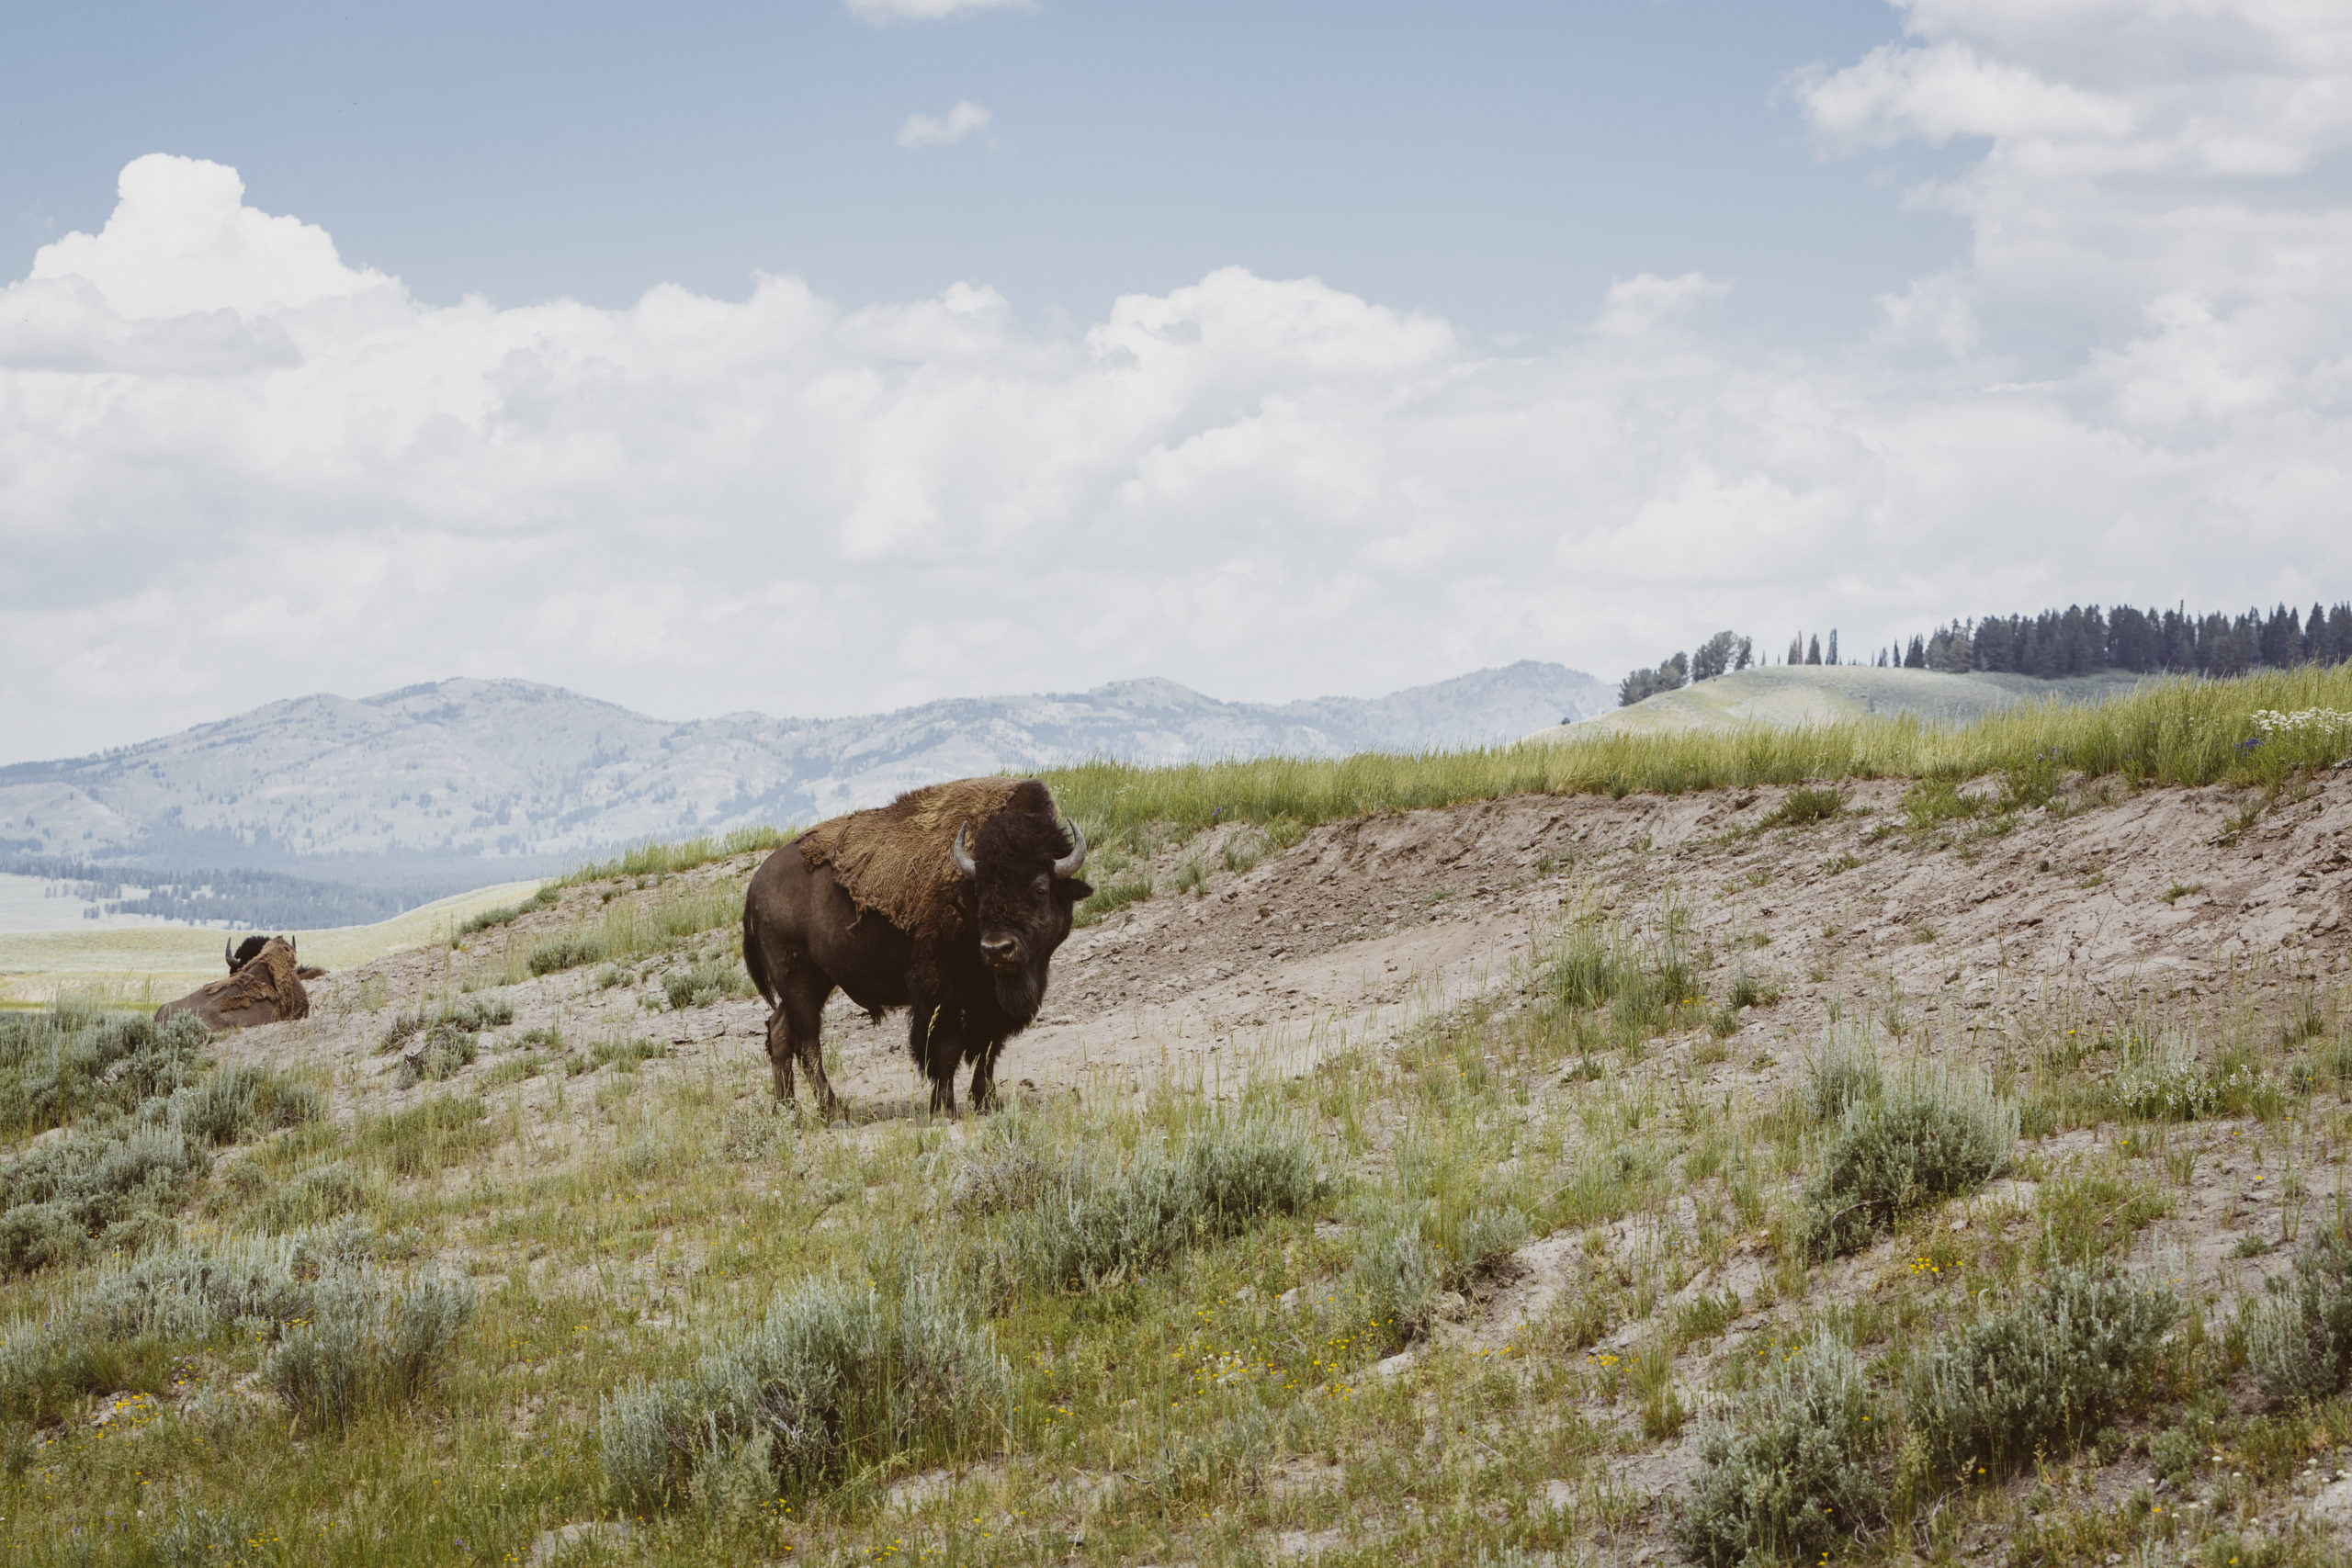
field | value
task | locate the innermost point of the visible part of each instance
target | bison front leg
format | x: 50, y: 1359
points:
x: 984, y: 1096
x: 937, y: 1042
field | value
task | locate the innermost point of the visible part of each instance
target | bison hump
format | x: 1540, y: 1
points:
x: 898, y: 861
x: 267, y: 991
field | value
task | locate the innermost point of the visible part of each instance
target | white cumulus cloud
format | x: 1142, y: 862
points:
x: 236, y: 465
x: 1949, y: 90
x: 946, y: 130
x: 1635, y: 305
x: 881, y: 13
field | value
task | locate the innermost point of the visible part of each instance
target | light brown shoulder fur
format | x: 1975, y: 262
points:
x: 897, y: 860
x: 267, y: 991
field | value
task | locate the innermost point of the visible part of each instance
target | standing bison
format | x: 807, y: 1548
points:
x: 949, y: 901
x: 264, y: 985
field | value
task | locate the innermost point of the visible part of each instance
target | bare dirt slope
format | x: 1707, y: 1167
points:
x: 1369, y: 926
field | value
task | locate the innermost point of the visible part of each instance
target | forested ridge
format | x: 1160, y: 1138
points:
x: 222, y: 896
x: 2083, y: 640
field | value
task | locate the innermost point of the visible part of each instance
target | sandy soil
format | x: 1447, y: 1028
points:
x: 1367, y: 927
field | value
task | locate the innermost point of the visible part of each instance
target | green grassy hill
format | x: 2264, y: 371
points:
x: 1812, y: 693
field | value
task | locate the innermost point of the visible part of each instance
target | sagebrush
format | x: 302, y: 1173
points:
x: 1793, y: 1474
x: 2300, y: 1343
x: 835, y: 1374
x: 1933, y: 1135
x: 2039, y: 1374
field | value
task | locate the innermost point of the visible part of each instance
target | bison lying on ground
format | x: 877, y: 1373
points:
x: 264, y: 985
x: 244, y: 951
x: 949, y: 901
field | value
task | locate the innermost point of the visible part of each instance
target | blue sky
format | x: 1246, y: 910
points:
x: 824, y: 357
x: 1497, y: 165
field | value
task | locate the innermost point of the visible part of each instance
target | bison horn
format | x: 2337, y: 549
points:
x: 963, y: 856
x: 1067, y: 865
x: 229, y: 952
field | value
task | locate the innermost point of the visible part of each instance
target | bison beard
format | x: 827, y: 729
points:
x: 1019, y: 994
x: 950, y: 902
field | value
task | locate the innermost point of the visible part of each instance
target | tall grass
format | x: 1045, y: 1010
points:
x: 345, y: 1334
x: 1106, y: 1220
x: 656, y: 859
x: 148, y: 1106
x: 2182, y: 731
x: 71, y: 1060
x: 639, y: 925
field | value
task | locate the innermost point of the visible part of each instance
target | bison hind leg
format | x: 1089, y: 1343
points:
x: 781, y: 1052
x: 812, y: 1057
x: 794, y: 1034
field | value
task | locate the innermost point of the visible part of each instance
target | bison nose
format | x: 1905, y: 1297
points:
x: 997, y: 950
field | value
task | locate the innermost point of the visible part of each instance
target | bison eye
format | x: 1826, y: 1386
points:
x: 1045, y: 883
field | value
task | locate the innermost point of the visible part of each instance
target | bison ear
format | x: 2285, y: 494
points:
x: 1071, y: 888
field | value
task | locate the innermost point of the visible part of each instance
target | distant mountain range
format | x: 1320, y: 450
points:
x: 437, y: 787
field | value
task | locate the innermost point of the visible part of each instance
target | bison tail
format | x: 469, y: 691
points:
x: 755, y: 962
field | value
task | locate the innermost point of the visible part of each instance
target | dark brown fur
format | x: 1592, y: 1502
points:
x: 806, y: 932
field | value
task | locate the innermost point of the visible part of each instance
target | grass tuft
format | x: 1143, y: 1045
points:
x: 1803, y: 806
x: 425, y: 1138
x: 1113, y: 896
x: 1401, y: 1277
x: 654, y: 858
x: 1646, y: 984
x: 545, y: 898
x: 699, y: 985
x: 1845, y: 1072
x: 233, y: 1104
x: 1100, y: 1222
x: 569, y: 951
x: 2164, y: 1083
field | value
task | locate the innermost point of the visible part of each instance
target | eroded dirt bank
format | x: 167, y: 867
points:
x: 1366, y: 924
x: 1977, y: 936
